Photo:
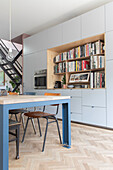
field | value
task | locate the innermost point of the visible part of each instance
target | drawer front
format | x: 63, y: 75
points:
x: 96, y: 97
x: 76, y: 117
x: 76, y: 105
x: 41, y: 92
x: 76, y: 92
x: 65, y: 92
x: 95, y: 115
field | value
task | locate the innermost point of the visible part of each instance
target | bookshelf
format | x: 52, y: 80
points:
x: 86, y: 56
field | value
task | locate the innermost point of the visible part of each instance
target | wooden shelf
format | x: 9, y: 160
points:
x: 73, y: 83
x: 60, y: 61
x: 84, y: 71
x: 60, y: 73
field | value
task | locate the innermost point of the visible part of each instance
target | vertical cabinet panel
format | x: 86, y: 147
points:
x: 109, y: 84
x: 76, y: 105
x: 55, y: 36
x: 76, y: 117
x: 93, y: 22
x: 36, y: 43
x: 109, y: 45
x: 71, y: 30
x: 109, y: 16
x: 95, y: 116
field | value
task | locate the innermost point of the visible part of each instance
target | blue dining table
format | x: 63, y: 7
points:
x: 25, y: 101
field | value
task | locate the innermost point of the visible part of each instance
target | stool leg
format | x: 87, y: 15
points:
x: 16, y: 117
x: 22, y: 117
x: 32, y: 121
x: 39, y: 127
x: 25, y: 130
x: 58, y: 130
x: 17, y: 142
x: 45, y: 136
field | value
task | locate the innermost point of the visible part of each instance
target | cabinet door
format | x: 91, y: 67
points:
x: 77, y: 117
x: 33, y: 63
x: 36, y: 43
x: 72, y: 30
x: 109, y: 85
x: 95, y: 115
x: 95, y: 97
x: 76, y: 105
x: 109, y: 16
x: 93, y: 22
x: 109, y: 45
x: 55, y: 36
x: 76, y: 92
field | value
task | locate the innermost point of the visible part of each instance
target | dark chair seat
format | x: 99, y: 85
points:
x: 16, y: 111
x: 38, y: 114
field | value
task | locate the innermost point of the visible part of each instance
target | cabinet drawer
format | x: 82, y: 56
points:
x: 65, y: 92
x: 94, y: 115
x: 96, y: 97
x: 41, y: 92
x: 75, y: 92
x: 76, y: 117
x: 76, y: 105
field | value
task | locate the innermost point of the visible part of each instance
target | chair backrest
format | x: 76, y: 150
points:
x: 13, y: 93
x: 53, y: 94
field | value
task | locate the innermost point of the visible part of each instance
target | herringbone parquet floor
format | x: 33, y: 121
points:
x: 92, y: 149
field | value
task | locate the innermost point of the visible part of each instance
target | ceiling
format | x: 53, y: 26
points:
x: 32, y: 16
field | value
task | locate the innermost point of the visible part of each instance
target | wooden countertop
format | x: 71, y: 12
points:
x: 12, y: 99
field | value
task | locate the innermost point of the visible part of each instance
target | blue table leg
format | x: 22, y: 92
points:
x: 4, y: 137
x: 66, y: 124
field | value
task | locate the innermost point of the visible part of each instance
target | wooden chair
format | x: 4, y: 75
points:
x: 38, y: 114
x: 21, y: 112
x: 14, y: 125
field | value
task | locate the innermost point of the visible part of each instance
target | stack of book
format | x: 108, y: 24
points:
x: 60, y: 68
x: 97, y: 62
x: 97, y: 80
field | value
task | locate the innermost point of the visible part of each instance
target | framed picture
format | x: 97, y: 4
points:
x: 2, y: 78
x: 83, y: 77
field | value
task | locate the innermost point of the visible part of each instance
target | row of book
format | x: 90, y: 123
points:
x: 77, y: 66
x: 60, y: 68
x: 82, y: 51
x: 97, y: 80
x: 97, y: 62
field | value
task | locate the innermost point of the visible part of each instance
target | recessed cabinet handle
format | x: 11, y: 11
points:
x: 92, y: 106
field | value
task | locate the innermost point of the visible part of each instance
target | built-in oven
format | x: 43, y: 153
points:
x: 40, y: 79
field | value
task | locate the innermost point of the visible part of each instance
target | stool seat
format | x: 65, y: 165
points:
x: 16, y: 111
x: 38, y: 114
x: 13, y: 123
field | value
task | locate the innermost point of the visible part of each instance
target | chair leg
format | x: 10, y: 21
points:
x: 32, y: 121
x: 58, y: 130
x: 45, y: 136
x: 22, y: 117
x: 25, y: 130
x: 17, y: 142
x: 39, y: 127
x: 16, y: 117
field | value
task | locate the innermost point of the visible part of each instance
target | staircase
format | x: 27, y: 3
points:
x: 13, y: 69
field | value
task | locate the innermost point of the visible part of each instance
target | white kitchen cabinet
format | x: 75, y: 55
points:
x: 109, y: 45
x: 94, y: 115
x: 93, y: 22
x: 95, y: 97
x: 55, y: 36
x: 76, y: 92
x: 109, y: 16
x: 109, y: 84
x: 76, y: 105
x: 72, y: 30
x: 35, y: 43
x: 77, y: 117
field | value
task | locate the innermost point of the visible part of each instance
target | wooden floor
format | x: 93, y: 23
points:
x: 92, y: 149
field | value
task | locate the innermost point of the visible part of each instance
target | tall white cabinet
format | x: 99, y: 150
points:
x: 87, y: 106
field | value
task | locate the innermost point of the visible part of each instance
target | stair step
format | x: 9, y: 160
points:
x: 4, y: 64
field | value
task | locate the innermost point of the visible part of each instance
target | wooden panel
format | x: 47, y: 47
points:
x: 72, y: 30
x: 93, y: 22
x: 95, y: 115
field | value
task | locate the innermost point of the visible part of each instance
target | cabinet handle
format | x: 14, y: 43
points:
x: 92, y: 106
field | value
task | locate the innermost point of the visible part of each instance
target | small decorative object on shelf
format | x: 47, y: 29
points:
x: 64, y: 81
x: 83, y: 77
